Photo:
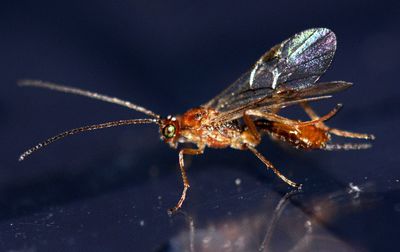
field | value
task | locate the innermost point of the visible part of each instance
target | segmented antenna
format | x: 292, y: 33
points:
x: 82, y: 129
x: 93, y: 95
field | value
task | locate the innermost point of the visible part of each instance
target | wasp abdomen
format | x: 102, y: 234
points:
x: 300, y: 136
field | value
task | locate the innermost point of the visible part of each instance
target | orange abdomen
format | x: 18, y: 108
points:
x: 305, y: 137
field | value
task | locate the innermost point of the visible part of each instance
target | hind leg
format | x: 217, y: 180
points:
x: 274, y: 117
x: 311, y: 113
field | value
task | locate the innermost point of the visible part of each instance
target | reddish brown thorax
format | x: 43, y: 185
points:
x: 194, y: 118
x: 195, y: 127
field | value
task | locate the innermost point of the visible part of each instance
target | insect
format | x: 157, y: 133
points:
x: 248, y: 109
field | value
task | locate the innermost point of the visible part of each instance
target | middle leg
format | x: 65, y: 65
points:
x: 272, y: 167
x: 253, y: 130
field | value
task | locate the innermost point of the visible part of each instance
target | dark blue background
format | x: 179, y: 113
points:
x: 109, y: 190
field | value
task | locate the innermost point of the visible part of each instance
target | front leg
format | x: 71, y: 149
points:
x: 186, y: 151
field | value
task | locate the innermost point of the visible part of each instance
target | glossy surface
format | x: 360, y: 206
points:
x: 110, y: 190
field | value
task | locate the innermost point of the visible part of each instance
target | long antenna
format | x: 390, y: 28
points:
x: 82, y: 129
x: 93, y: 95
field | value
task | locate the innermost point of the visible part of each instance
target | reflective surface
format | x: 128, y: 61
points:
x: 242, y: 214
x: 110, y: 190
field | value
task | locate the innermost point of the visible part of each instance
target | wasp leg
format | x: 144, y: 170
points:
x: 184, y: 177
x: 271, y: 166
x: 347, y: 146
x: 311, y: 113
x: 252, y: 129
x: 271, y: 116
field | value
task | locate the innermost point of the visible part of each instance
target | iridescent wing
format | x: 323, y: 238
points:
x: 286, y: 73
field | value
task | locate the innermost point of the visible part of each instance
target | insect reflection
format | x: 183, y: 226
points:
x: 248, y: 109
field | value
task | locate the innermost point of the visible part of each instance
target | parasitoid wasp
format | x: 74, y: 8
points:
x: 248, y: 109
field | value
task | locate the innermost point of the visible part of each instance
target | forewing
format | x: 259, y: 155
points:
x: 286, y: 97
x: 295, y: 64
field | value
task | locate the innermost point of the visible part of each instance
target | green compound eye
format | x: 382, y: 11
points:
x: 169, y: 131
